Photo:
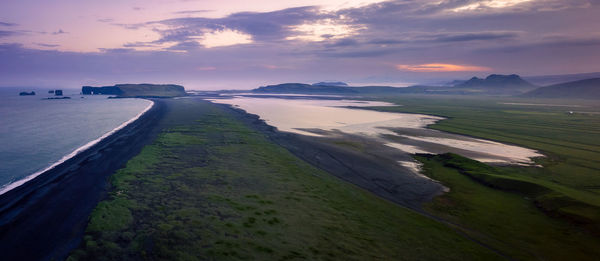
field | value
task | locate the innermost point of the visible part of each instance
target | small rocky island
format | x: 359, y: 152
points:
x: 27, y: 93
x: 144, y: 90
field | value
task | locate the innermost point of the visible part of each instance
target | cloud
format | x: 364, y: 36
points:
x: 191, y: 12
x: 47, y: 45
x: 237, y: 28
x: 473, y: 36
x: 7, y: 24
x: 7, y: 33
x: 226, y: 37
x: 106, y: 20
x: 489, y: 4
x: 60, y: 31
x: 324, y: 29
x: 441, y: 67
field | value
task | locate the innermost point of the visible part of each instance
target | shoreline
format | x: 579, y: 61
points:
x: 376, y: 171
x: 45, y: 218
x: 10, y: 186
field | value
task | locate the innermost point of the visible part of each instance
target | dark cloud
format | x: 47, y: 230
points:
x: 262, y: 26
x: 344, y: 43
x: 47, y: 45
x: 7, y: 24
x: 560, y: 43
x: 184, y: 46
x: 478, y: 36
x: 7, y: 33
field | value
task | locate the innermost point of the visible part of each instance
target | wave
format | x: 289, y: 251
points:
x: 81, y: 149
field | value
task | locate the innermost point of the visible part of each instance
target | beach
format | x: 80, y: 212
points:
x: 45, y: 218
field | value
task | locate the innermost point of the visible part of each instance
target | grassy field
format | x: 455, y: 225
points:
x: 212, y: 188
x: 530, y: 212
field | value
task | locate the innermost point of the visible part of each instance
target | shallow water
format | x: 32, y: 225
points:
x: 36, y: 133
x: 403, y: 131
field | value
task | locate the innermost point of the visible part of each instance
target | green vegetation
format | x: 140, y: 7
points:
x: 210, y: 187
x: 552, y: 212
x: 505, y: 220
x: 151, y: 90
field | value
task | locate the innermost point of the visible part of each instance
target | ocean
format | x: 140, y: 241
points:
x: 36, y: 133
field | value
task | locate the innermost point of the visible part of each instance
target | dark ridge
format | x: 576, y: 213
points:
x: 582, y: 89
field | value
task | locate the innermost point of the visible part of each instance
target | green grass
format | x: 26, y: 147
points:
x: 506, y: 220
x: 551, y: 212
x: 570, y: 141
x: 211, y: 188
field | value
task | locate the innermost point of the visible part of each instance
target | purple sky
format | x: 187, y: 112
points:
x: 231, y: 44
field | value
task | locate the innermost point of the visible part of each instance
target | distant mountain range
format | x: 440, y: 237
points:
x: 495, y: 84
x: 583, y: 89
x: 546, y: 80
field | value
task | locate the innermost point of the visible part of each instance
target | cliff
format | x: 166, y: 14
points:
x: 137, y: 90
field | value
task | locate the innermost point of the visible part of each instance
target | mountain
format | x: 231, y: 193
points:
x: 545, y: 80
x: 302, y: 88
x: 495, y: 84
x: 330, y: 84
x: 512, y: 81
x: 137, y: 90
x: 492, y: 85
x: 582, y: 89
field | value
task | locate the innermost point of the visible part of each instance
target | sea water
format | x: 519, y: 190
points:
x: 36, y: 133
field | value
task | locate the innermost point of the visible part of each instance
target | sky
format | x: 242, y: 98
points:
x: 237, y: 44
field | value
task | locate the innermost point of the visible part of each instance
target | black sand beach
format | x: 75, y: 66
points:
x: 45, y: 218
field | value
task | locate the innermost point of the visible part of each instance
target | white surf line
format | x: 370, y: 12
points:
x: 22, y: 181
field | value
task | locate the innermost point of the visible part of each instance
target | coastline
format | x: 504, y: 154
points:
x: 10, y: 186
x: 45, y: 217
x: 375, y: 170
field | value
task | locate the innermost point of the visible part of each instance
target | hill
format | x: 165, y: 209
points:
x: 582, y: 89
x: 331, y: 84
x: 137, y: 90
x: 545, y: 80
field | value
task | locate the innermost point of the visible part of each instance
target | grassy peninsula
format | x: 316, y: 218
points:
x: 211, y: 187
x: 144, y: 90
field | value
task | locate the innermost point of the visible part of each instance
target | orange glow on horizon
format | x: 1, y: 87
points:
x: 441, y: 67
